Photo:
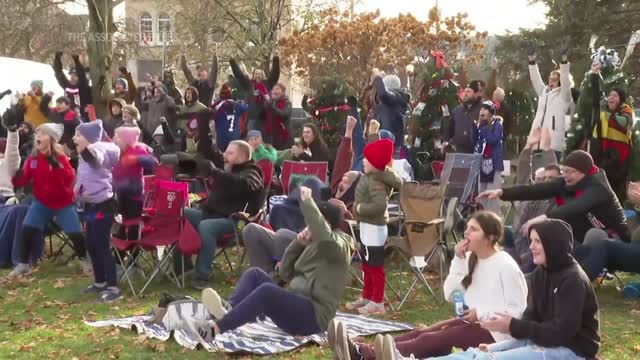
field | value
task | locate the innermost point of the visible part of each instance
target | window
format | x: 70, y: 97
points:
x: 146, y: 28
x: 164, y: 28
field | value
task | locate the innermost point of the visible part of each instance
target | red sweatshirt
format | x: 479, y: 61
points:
x: 53, y: 187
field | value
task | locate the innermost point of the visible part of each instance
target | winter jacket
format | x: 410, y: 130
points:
x: 80, y: 93
x: 205, y: 88
x: 94, y: 180
x: 255, y: 91
x: 344, y: 160
x: 239, y: 190
x: 52, y: 185
x: 165, y: 107
x: 168, y: 145
x: 563, y: 311
x: 463, y: 129
x: 489, y: 144
x: 320, y: 270
x: 113, y: 122
x: 585, y: 205
x: 227, y: 118
x: 264, y: 152
x: 276, y: 126
x: 505, y: 112
x: 9, y: 164
x: 372, y: 196
x: 319, y: 153
x: 127, y: 177
x: 34, y: 110
x: 390, y: 109
x: 553, y: 105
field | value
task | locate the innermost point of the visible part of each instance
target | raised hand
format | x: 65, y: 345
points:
x: 534, y: 138
x: 494, y: 63
x: 564, y: 54
x: 532, y: 52
x: 305, y: 193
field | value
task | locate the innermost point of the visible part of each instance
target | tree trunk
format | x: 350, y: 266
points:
x: 100, y: 49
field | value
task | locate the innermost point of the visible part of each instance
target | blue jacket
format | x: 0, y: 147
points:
x: 390, y: 109
x: 492, y: 135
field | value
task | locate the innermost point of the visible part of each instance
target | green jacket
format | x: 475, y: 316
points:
x: 264, y: 152
x: 320, y: 270
x: 372, y: 196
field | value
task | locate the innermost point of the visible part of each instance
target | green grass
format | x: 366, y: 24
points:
x: 41, y: 318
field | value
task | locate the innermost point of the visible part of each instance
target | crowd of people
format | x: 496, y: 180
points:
x: 527, y: 287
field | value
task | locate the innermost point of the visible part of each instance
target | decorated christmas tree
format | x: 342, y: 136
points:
x: 329, y: 109
x: 436, y: 97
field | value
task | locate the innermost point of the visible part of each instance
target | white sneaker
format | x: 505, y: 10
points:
x: 357, y: 304
x: 372, y: 308
x: 20, y: 270
x: 390, y: 351
x: 213, y: 303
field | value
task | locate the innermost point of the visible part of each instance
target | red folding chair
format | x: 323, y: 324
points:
x: 165, y: 222
x: 317, y: 169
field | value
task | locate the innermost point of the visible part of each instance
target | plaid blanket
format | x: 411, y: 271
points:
x: 260, y: 338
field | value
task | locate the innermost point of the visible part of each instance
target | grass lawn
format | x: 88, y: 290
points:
x: 41, y: 318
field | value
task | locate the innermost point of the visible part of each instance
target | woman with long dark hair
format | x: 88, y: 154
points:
x: 312, y: 146
x: 491, y: 283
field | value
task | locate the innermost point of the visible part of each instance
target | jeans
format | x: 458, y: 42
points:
x: 600, y: 252
x: 98, y: 238
x: 516, y: 350
x: 256, y: 296
x: 265, y: 247
x: 211, y: 231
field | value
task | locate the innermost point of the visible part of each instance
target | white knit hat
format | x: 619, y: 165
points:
x: 391, y: 82
x: 53, y: 130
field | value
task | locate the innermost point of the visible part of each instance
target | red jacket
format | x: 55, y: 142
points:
x: 276, y: 123
x: 53, y: 187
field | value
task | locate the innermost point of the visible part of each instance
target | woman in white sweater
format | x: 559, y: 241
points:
x: 491, y: 282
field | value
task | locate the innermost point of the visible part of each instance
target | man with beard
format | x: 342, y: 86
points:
x: 463, y: 128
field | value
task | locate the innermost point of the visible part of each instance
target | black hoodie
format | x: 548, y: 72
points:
x: 563, y: 311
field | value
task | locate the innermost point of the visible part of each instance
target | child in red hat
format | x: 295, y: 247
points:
x: 370, y: 209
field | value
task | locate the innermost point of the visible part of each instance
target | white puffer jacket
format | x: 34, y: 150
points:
x: 553, y: 105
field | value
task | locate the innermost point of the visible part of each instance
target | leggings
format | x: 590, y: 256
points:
x: 257, y: 296
x: 437, y: 340
x: 99, y: 219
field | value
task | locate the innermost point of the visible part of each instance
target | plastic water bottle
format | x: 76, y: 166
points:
x: 458, y: 302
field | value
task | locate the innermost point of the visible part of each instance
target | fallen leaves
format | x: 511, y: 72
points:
x: 158, y: 347
x: 59, y: 284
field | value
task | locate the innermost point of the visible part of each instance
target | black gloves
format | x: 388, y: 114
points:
x: 564, y: 54
x: 206, y: 167
x: 532, y: 53
x: 10, y: 119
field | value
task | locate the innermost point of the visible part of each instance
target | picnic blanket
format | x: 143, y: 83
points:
x: 260, y: 338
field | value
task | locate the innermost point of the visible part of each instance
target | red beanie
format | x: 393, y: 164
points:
x: 379, y: 153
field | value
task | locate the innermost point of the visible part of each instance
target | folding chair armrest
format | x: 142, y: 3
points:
x: 242, y: 216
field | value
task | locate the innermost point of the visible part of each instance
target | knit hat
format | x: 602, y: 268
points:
x: 489, y: 105
x: 621, y: 94
x: 39, y: 83
x: 53, y: 130
x: 128, y: 134
x: 253, y: 133
x: 92, y: 131
x: 386, y: 134
x: 379, y: 153
x: 135, y: 114
x: 579, y: 160
x: 331, y: 213
x: 391, y: 82
x: 123, y: 82
x: 226, y: 92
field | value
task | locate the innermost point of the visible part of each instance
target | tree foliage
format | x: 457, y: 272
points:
x: 350, y: 46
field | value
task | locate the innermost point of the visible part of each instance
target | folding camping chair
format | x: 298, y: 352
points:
x: 460, y: 175
x: 289, y: 168
x: 421, y: 205
x: 267, y: 168
x: 165, y: 221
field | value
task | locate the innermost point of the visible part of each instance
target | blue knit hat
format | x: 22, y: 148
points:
x: 92, y: 131
x: 124, y: 82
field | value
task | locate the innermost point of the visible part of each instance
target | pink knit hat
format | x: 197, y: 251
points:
x: 128, y: 134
